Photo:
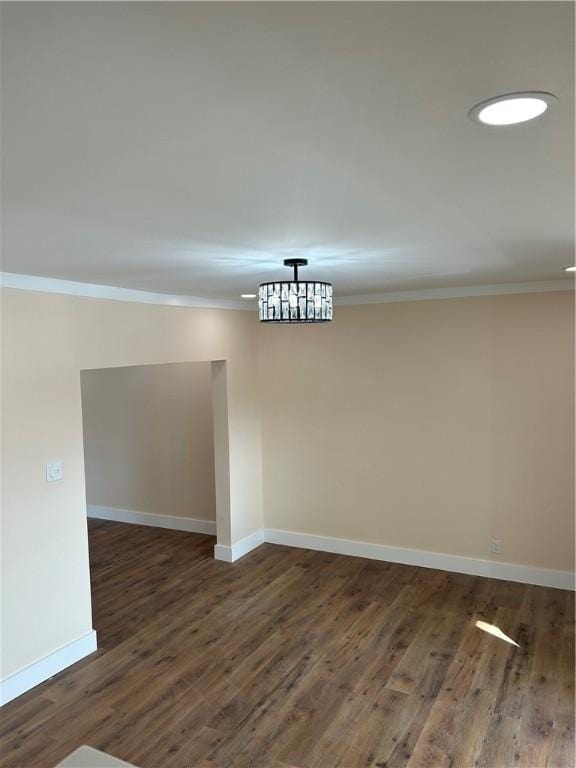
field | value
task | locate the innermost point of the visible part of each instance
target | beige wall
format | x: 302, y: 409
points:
x: 148, y: 439
x: 433, y: 425
x: 46, y: 341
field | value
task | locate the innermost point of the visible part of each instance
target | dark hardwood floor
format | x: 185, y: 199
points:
x: 299, y: 658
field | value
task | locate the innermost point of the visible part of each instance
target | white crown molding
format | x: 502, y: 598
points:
x: 525, y: 574
x: 189, y: 524
x: 45, y: 668
x: 94, y: 291
x: 424, y: 294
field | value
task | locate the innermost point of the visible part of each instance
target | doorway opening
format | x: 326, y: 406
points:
x: 155, y: 457
x: 149, y: 445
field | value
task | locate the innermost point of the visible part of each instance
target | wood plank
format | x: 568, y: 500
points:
x: 298, y: 659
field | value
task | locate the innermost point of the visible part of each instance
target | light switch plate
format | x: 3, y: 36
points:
x: 54, y: 471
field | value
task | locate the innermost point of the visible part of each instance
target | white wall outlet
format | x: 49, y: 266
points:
x: 496, y: 546
x: 54, y: 471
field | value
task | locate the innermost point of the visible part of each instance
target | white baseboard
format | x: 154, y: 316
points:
x: 475, y: 567
x: 40, y: 671
x: 189, y: 524
x: 240, y: 548
x: 524, y: 574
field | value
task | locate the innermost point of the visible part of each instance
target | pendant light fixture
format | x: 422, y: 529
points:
x: 295, y: 301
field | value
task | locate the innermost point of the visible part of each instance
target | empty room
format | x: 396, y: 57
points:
x: 287, y: 350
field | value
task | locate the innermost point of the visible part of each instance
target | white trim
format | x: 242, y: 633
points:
x: 95, y: 291
x: 43, y: 669
x: 423, y: 294
x: 173, y: 522
x: 240, y: 548
x: 525, y: 574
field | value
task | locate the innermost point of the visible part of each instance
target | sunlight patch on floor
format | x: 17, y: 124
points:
x: 492, y: 629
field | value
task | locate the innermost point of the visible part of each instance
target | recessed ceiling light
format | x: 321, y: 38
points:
x: 569, y: 269
x: 248, y: 295
x: 512, y: 108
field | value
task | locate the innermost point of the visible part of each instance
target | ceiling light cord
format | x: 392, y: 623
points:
x: 295, y: 263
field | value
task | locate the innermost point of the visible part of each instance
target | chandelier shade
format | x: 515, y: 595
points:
x: 295, y: 301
